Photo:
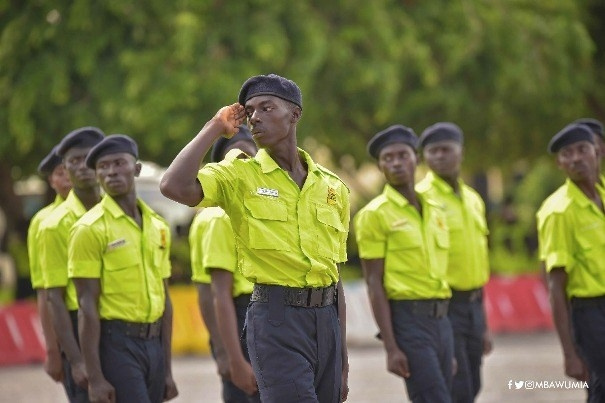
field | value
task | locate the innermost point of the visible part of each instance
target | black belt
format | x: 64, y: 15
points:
x: 467, y: 295
x: 133, y: 329
x: 305, y: 297
x: 587, y: 302
x: 242, y: 300
x: 434, y: 308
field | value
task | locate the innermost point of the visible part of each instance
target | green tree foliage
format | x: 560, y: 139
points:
x: 510, y: 73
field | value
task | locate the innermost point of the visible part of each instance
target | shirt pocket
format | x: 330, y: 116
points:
x: 267, y: 224
x: 121, y: 271
x: 404, y: 239
x: 329, y: 233
x: 591, y: 242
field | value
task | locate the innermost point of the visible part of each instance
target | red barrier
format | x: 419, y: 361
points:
x: 517, y: 303
x: 21, y: 339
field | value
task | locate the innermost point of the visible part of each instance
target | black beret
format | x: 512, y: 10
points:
x: 81, y: 138
x: 570, y: 134
x: 441, y: 131
x: 391, y: 135
x: 50, y: 162
x: 594, y: 125
x: 271, y: 84
x: 219, y: 147
x: 113, y: 144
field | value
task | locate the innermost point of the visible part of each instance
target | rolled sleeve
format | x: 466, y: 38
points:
x: 84, y: 253
x: 216, y: 179
x: 371, y: 242
x: 555, y: 242
x: 53, y: 257
x: 219, y: 243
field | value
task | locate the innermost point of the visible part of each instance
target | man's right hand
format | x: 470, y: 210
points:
x: 78, y: 372
x: 576, y: 368
x: 231, y: 117
x: 397, y: 363
x: 101, y: 391
x: 53, y: 365
x: 222, y: 363
x: 243, y: 377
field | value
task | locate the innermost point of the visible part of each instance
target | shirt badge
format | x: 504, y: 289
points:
x: 440, y: 223
x: 116, y: 244
x: 331, y: 196
x: 163, y: 238
x: 399, y: 223
x: 267, y: 192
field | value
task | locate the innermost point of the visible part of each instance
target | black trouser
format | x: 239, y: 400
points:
x: 295, y: 351
x: 231, y: 393
x: 133, y: 365
x: 588, y: 321
x: 427, y: 341
x: 74, y: 393
x: 468, y: 323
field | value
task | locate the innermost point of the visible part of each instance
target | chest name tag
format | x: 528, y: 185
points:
x: 267, y: 192
x: 116, y: 244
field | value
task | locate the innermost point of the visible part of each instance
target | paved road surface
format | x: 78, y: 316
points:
x: 519, y: 357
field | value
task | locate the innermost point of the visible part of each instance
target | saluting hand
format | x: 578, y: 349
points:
x: 397, y: 363
x: 231, y: 117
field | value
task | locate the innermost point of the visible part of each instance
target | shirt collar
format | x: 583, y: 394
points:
x: 116, y: 211
x: 393, y: 195
x: 575, y: 194
x: 267, y: 163
x: 442, y: 185
x: 75, y: 204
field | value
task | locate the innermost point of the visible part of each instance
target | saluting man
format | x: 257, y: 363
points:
x: 468, y: 261
x: 53, y: 169
x: 290, y: 218
x: 53, y: 238
x: 403, y: 243
x: 119, y: 260
x: 214, y: 260
x: 571, y: 232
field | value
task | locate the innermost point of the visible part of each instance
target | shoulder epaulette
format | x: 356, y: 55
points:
x: 332, y: 174
x: 91, y: 216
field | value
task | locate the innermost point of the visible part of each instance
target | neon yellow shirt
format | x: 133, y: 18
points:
x: 571, y: 232
x: 33, y: 245
x: 131, y: 263
x: 53, y: 236
x: 213, y: 247
x: 284, y: 235
x: 414, y: 247
x: 468, y: 260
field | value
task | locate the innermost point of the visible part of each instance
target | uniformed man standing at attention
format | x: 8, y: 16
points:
x: 214, y: 259
x: 571, y: 232
x: 290, y: 218
x: 119, y: 259
x: 53, y: 238
x: 468, y: 261
x: 403, y: 245
x: 53, y: 169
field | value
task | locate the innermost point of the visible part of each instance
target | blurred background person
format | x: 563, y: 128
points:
x: 468, y: 261
x: 53, y: 169
x: 224, y: 293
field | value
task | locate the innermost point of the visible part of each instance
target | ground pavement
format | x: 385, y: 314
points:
x: 517, y: 360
